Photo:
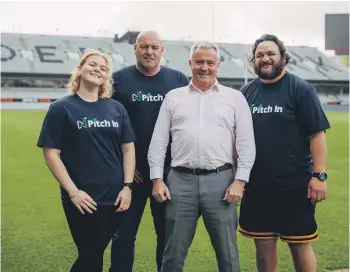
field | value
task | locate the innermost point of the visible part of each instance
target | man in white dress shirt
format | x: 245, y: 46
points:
x: 207, y: 123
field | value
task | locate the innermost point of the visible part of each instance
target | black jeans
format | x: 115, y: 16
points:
x: 123, y: 242
x: 91, y: 234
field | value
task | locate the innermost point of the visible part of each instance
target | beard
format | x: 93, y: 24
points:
x: 276, y: 70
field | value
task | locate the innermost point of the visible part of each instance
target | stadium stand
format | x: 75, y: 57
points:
x: 36, y: 68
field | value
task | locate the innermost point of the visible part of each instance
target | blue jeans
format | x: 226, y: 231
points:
x: 123, y: 242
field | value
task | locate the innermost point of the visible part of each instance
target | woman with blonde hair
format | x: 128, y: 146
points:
x: 88, y: 145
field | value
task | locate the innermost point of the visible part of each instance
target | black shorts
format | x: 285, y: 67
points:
x: 286, y: 215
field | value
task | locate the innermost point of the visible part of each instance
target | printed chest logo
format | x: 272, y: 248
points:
x: 88, y: 123
x: 141, y: 97
x: 268, y: 109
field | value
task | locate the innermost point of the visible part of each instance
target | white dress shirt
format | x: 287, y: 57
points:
x: 206, y: 129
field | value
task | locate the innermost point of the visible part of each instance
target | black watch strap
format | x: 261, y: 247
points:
x: 322, y: 176
x: 128, y: 184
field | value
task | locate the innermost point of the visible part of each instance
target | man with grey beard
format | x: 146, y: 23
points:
x: 289, y: 174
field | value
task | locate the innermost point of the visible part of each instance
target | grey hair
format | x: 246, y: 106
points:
x: 204, y: 45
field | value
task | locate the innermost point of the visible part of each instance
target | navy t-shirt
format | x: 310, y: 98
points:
x: 142, y: 97
x: 284, y: 114
x: 89, y: 135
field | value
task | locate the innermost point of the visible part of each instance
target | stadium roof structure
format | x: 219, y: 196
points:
x: 56, y: 56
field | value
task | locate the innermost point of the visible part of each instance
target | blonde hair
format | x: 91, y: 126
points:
x: 105, y: 90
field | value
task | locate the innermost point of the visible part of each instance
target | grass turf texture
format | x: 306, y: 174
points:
x: 35, y: 235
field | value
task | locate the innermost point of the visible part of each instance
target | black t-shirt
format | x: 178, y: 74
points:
x: 284, y: 114
x: 142, y: 97
x: 89, y: 135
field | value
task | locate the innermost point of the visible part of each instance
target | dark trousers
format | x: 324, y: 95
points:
x: 91, y: 234
x: 123, y: 242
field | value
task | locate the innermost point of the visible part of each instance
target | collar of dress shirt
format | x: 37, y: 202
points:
x: 215, y: 87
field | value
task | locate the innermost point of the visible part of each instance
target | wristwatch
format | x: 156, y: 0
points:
x: 128, y: 184
x: 322, y: 176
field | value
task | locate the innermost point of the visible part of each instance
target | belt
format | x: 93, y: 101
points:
x: 199, y: 171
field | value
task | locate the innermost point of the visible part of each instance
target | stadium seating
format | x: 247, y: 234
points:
x: 28, y: 59
x: 57, y: 55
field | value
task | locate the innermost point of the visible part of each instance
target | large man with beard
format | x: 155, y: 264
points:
x: 141, y: 88
x: 288, y: 177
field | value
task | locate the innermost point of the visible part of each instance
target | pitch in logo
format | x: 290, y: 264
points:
x: 140, y: 97
x: 87, y: 123
x: 268, y: 109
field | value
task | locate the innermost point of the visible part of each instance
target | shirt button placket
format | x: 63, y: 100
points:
x: 200, y: 127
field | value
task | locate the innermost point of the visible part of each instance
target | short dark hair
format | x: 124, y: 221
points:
x: 272, y: 38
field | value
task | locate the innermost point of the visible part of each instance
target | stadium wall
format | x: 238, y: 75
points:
x: 29, y: 98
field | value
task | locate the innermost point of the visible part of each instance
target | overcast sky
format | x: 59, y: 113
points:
x: 298, y: 23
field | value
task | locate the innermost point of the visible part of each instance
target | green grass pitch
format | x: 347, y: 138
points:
x: 35, y: 235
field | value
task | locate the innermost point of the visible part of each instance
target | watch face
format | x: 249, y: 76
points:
x: 323, y: 176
